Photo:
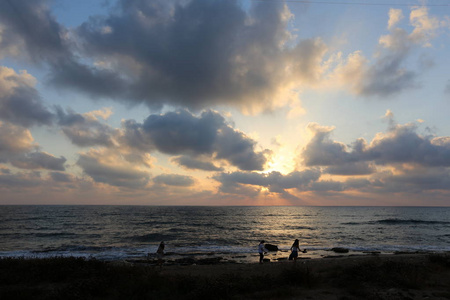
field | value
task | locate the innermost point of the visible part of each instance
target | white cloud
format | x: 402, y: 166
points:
x: 395, y: 15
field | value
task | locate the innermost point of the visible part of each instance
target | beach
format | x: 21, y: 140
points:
x: 370, y: 276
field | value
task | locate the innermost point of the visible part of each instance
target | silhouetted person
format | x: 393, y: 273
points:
x: 294, y: 251
x: 261, y: 250
x: 160, y: 254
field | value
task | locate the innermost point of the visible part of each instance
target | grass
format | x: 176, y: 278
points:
x: 80, y: 278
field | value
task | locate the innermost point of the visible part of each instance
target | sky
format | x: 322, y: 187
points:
x: 225, y: 102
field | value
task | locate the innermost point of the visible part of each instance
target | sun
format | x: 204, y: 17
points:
x: 281, y: 162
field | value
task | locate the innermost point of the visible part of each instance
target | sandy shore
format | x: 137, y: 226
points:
x: 405, y: 276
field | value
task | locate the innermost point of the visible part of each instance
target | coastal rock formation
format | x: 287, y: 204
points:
x: 340, y: 250
x: 271, y: 247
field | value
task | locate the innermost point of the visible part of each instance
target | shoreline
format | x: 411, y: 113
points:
x: 280, y: 256
x: 382, y: 276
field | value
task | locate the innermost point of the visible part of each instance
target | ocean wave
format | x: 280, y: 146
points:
x: 152, y: 237
x: 54, y: 234
x: 399, y: 222
x: 409, y: 221
x: 300, y: 228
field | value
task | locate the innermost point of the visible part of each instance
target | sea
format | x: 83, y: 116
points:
x: 231, y: 233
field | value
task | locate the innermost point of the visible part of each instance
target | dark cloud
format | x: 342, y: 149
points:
x: 405, y: 145
x: 417, y: 181
x: 39, y: 160
x: 351, y: 168
x: 401, y: 144
x: 5, y: 170
x: 108, y: 167
x: 190, y: 53
x: 20, y: 180
x: 447, y: 88
x: 327, y: 186
x: 72, y: 74
x: 205, y: 136
x: 182, y: 132
x: 85, y: 131
x: 20, y: 103
x: 387, y: 76
x: 61, y: 177
x: 196, y: 164
x: 235, y: 147
x: 322, y: 151
x: 31, y: 24
x: 174, y: 180
x: 275, y: 182
x: 412, y: 181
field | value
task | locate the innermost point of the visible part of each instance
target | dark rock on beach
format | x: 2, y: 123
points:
x: 185, y: 261
x: 339, y: 250
x: 209, y: 261
x: 271, y: 247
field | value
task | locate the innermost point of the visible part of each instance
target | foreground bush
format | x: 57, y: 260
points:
x: 79, y: 278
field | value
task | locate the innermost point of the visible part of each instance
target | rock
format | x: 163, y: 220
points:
x: 271, y: 247
x: 333, y: 256
x: 372, y: 252
x: 266, y: 260
x: 209, y: 261
x: 185, y: 261
x: 282, y: 258
x: 340, y: 250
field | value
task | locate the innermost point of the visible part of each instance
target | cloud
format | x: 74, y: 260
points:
x: 425, y: 26
x: 39, y: 160
x: 20, y: 180
x: 417, y: 180
x: 174, y: 180
x: 351, y: 168
x: 405, y: 145
x: 18, y: 148
x: 14, y: 140
x: 395, y: 15
x: 400, y: 145
x: 108, y: 166
x: 275, y: 182
x: 327, y: 186
x: 192, y: 54
x: 388, y: 75
x: 206, y: 136
x: 85, y: 130
x: 196, y: 164
x: 447, y: 87
x: 20, y: 102
x: 61, y: 177
x: 29, y: 25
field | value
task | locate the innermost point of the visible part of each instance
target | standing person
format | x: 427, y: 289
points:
x: 261, y: 250
x: 160, y: 254
x: 294, y: 250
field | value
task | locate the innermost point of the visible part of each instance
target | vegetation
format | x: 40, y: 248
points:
x: 79, y: 278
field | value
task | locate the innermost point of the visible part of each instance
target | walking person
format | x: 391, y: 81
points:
x: 294, y: 250
x: 160, y: 254
x: 261, y: 250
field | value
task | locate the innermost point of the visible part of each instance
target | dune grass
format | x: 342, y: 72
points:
x: 80, y: 278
